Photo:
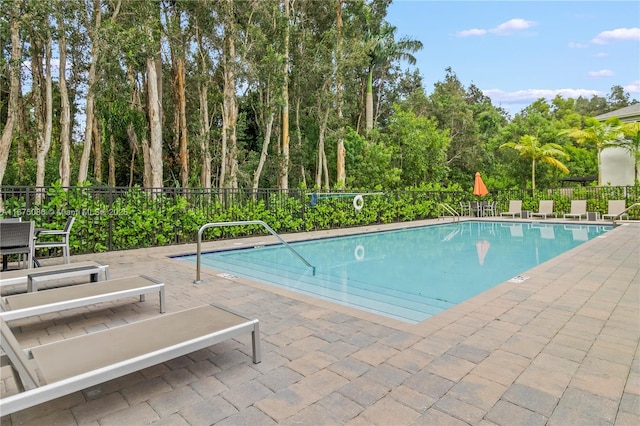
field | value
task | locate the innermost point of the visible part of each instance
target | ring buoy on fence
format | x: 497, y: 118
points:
x: 358, y: 202
x: 358, y: 253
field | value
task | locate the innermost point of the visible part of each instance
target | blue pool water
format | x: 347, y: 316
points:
x: 409, y: 274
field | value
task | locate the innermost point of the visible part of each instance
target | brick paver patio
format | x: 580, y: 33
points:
x: 559, y: 348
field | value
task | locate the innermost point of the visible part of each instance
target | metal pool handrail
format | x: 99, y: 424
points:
x: 245, y: 222
x: 619, y: 215
x: 454, y: 214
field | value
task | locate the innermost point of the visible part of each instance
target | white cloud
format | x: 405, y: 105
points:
x: 512, y: 25
x: 575, y: 45
x: 633, y: 87
x: 601, y: 73
x: 506, y: 28
x: 619, y: 34
x: 471, y: 33
x: 530, y: 95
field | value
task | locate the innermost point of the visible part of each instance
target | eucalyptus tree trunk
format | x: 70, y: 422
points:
x: 44, y: 106
x: 265, y: 148
x: 134, y: 146
x: 83, y: 168
x: 284, y: 163
x: 204, y: 122
x: 299, y: 134
x: 340, y: 154
x: 132, y: 136
x: 97, y: 149
x: 180, y: 118
x: 155, y: 125
x: 323, y: 169
x: 182, y: 125
x: 177, y: 39
x: 14, y: 88
x: 228, y: 170
x: 369, y: 102
x: 65, y: 106
x: 205, y: 129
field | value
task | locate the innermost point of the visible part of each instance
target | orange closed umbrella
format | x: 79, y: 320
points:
x: 479, y: 188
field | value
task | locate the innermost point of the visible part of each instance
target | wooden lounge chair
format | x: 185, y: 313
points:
x: 21, y: 276
x: 578, y: 209
x: 615, y: 208
x: 66, y: 366
x: 545, y: 209
x: 515, y: 209
x: 42, y: 302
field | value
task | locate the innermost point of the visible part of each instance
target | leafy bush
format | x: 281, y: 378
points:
x: 107, y: 219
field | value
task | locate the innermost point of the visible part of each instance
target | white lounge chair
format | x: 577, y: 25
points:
x: 58, y: 299
x: 515, y: 209
x: 578, y: 209
x: 66, y: 366
x: 615, y: 208
x: 20, y: 276
x: 545, y: 209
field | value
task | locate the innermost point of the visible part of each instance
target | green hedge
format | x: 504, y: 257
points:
x: 136, y: 218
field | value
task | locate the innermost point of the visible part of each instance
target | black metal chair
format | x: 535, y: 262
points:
x: 16, y: 238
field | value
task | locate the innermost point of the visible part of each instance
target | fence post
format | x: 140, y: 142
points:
x: 110, y: 242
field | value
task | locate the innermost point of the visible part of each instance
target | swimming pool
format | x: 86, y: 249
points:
x: 408, y: 274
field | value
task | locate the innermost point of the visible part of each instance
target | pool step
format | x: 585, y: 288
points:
x: 386, y: 301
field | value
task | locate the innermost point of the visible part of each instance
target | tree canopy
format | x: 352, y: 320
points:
x: 260, y: 93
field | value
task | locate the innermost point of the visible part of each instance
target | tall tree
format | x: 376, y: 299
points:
x: 203, y: 67
x: 284, y: 163
x: 14, y: 8
x: 450, y: 105
x: 65, y: 106
x: 93, y: 21
x: 178, y: 39
x: 529, y: 147
x: 340, y: 151
x: 229, y: 148
x: 40, y: 37
x: 383, y: 49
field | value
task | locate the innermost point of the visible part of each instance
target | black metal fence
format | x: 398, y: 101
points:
x: 116, y: 218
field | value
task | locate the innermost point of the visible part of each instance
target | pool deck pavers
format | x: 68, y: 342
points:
x: 560, y: 348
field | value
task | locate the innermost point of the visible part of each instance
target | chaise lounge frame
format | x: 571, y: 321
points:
x: 544, y: 209
x: 515, y: 209
x: 63, y: 367
x: 578, y: 209
x: 58, y: 299
x: 20, y: 276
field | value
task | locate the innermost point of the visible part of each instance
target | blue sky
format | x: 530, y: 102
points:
x: 519, y: 51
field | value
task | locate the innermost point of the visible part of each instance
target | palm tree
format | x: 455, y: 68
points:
x: 529, y: 148
x: 384, y: 49
x: 631, y: 142
x: 601, y: 134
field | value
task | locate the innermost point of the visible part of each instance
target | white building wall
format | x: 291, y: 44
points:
x: 617, y: 167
